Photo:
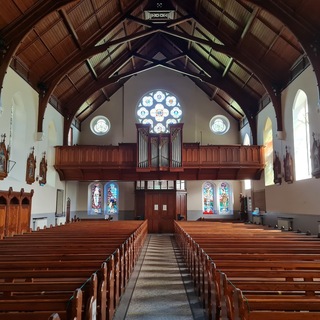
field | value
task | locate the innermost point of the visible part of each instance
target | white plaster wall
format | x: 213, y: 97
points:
x: 198, y: 110
x: 301, y: 197
x: 17, y: 93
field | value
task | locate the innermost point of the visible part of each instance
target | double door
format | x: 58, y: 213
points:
x: 160, y: 211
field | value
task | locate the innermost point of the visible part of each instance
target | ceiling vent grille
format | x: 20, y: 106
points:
x: 159, y: 11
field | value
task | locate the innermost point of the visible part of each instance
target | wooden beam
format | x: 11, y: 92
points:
x: 70, y: 28
x: 12, y: 35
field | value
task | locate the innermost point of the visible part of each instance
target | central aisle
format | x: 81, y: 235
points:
x: 160, y: 288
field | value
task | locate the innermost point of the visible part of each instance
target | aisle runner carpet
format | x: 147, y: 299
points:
x: 163, y: 289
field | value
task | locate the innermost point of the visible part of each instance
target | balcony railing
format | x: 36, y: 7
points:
x: 120, y: 162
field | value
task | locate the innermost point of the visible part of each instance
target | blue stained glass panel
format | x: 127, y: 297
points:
x: 224, y: 198
x: 208, y: 199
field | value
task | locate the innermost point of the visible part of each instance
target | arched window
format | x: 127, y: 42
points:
x: 246, y: 142
x: 208, y: 198
x: 159, y: 109
x: 224, y: 198
x: 95, y: 199
x: 301, y: 137
x: 111, y: 198
x: 268, y: 153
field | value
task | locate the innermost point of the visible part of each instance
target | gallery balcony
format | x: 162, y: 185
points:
x: 197, y: 162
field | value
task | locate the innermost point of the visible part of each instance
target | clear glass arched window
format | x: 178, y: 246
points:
x: 268, y: 153
x: 301, y: 137
x: 224, y: 198
x: 95, y: 199
x: 208, y: 198
x: 111, y: 198
x: 159, y: 109
x: 246, y: 142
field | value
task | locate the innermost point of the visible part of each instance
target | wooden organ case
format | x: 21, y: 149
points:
x: 162, y: 151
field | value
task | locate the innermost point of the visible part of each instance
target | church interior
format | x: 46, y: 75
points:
x: 158, y: 123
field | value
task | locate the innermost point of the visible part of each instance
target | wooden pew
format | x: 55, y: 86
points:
x: 23, y: 309
x: 46, y: 282
x: 277, y: 309
x: 270, y: 295
x: 246, y: 254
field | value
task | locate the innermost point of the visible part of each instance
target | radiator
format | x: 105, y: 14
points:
x: 39, y: 223
x: 60, y: 220
x: 285, y: 223
x: 257, y: 219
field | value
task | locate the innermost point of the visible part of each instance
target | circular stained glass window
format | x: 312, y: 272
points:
x: 219, y: 124
x: 100, y: 125
x: 159, y: 109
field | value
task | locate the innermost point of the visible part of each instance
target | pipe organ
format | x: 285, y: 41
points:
x: 143, y: 143
x: 176, y: 146
x: 159, y: 151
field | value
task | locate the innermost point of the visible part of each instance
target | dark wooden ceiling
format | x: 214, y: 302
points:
x: 241, y: 53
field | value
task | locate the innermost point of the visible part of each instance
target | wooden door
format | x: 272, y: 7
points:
x: 160, y: 211
x: 181, y: 205
x: 152, y: 211
x: 12, y: 219
x: 3, y: 214
x: 24, y: 223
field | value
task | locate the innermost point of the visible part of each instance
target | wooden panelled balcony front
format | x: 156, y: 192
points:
x: 227, y: 162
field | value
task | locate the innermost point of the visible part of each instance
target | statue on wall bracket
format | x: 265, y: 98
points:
x: 277, y: 175
x: 43, y: 170
x: 4, y: 158
x: 288, y: 167
x: 31, y: 168
x: 315, y: 156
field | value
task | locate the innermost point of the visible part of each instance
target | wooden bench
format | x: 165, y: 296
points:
x: 40, y: 272
x: 23, y: 309
x: 270, y: 294
x: 249, y: 252
x: 281, y: 308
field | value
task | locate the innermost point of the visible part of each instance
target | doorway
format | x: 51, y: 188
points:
x: 160, y: 211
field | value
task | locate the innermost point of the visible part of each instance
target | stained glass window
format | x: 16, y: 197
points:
x: 111, y: 198
x: 208, y: 198
x: 100, y: 125
x: 159, y: 109
x: 224, y: 198
x: 96, y: 198
x: 219, y: 124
